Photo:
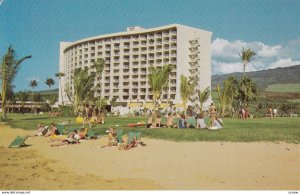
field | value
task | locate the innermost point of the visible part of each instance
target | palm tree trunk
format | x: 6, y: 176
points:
x: 62, y: 100
x: 4, y: 85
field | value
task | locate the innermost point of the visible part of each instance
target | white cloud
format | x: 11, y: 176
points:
x: 225, y: 55
x: 269, y: 51
x: 284, y: 63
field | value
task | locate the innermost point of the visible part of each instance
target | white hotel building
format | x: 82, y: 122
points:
x: 128, y: 56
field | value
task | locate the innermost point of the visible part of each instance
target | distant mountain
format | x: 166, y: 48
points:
x: 264, y: 78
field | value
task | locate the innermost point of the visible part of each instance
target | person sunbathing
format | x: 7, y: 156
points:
x: 182, y: 122
x: 158, y: 122
x: 41, y: 130
x: 200, y: 123
x: 81, y: 134
x: 133, y: 143
x: 112, y: 138
x: 66, y: 141
x: 170, y: 121
x: 216, y: 124
x: 53, y: 131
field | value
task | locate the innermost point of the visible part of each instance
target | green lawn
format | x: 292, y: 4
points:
x: 294, y: 88
x: 235, y: 130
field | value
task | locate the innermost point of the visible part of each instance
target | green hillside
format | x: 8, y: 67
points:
x: 266, y: 78
x: 292, y: 88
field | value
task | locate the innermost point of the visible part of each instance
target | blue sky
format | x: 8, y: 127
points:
x: 270, y: 27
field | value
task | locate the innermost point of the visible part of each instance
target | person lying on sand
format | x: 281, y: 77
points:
x: 69, y: 140
x: 81, y: 134
x: 52, y: 131
x: 133, y: 143
x: 41, y: 130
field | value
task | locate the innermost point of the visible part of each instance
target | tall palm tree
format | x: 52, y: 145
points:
x: 231, y: 86
x: 203, y: 96
x: 246, y: 56
x: 50, y: 82
x: 187, y: 89
x: 33, y: 83
x: 9, y: 68
x: 59, y: 75
x: 223, y: 98
x: 158, y: 79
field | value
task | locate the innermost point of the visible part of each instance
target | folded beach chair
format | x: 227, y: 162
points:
x: 191, y: 121
x: 18, y: 142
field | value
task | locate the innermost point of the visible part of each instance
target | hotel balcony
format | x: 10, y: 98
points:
x: 173, y: 32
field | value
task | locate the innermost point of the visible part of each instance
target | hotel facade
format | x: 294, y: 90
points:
x: 128, y: 56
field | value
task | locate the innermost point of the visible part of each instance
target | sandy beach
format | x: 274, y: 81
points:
x: 159, y: 165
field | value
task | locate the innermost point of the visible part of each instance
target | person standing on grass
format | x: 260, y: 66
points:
x: 213, y: 111
x: 275, y: 112
x: 270, y: 112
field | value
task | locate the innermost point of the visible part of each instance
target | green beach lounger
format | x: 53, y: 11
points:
x: 119, y: 135
x: 18, y: 142
x: 176, y: 121
x: 131, y: 135
x: 61, y: 129
x: 92, y: 134
x: 191, y: 122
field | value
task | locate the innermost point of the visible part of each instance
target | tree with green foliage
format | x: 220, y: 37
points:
x: 49, y: 82
x: 158, y: 79
x: 99, y: 67
x: 33, y: 83
x: 23, y: 96
x: 187, y: 89
x: 246, y: 56
x: 247, y: 90
x: 59, y: 75
x: 223, y: 98
x: 101, y: 102
x: 203, y: 96
x: 9, y: 68
x: 83, y: 86
x: 37, y: 97
x: 231, y: 86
